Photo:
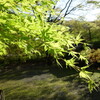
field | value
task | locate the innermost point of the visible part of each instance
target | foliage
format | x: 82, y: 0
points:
x: 95, y: 56
x: 89, y: 30
x: 94, y: 2
x: 24, y: 32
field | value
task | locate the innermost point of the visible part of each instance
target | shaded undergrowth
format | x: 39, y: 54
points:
x: 41, y: 82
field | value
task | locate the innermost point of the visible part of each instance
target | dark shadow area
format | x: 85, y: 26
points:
x: 31, y: 69
x: 96, y: 44
x: 95, y: 95
x: 95, y: 67
x: 25, y: 70
x: 61, y: 72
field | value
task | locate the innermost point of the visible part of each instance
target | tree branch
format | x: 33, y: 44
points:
x: 68, y: 7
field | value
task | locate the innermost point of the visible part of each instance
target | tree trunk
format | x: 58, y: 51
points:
x: 90, y: 37
x: 2, y: 95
